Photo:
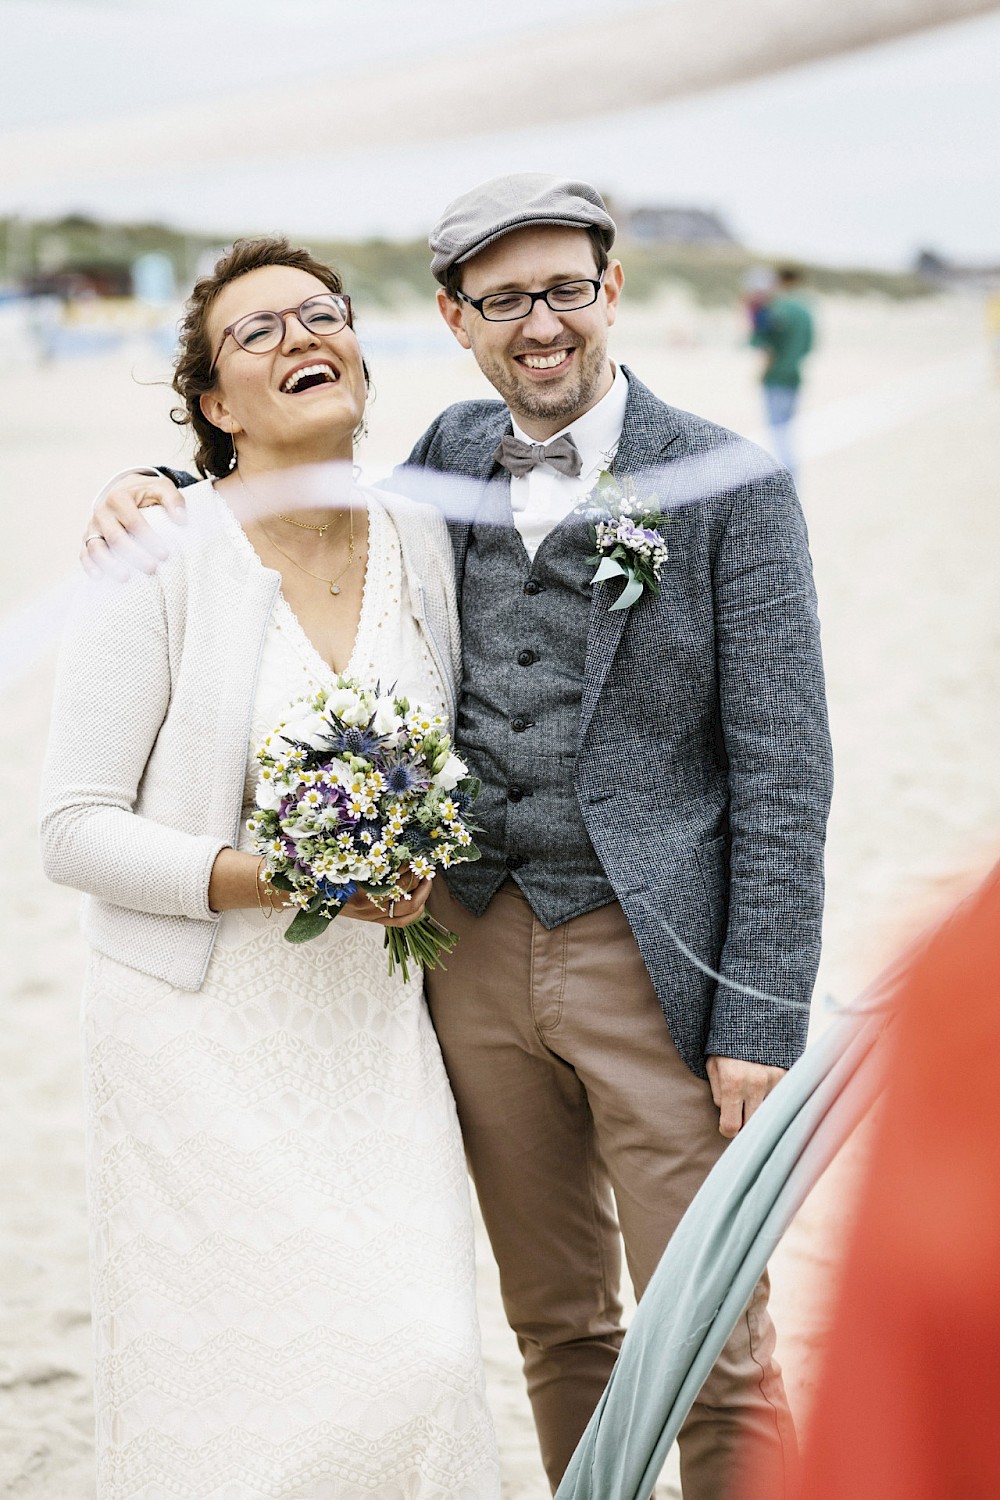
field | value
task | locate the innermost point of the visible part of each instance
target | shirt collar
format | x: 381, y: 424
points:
x: 598, y: 431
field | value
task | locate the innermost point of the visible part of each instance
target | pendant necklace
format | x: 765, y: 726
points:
x: 333, y: 584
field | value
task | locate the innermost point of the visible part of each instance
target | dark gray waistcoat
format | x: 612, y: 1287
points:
x: 524, y: 644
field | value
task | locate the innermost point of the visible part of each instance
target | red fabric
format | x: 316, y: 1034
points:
x: 908, y: 1406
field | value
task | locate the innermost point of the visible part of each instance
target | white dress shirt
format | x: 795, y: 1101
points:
x: 543, y: 497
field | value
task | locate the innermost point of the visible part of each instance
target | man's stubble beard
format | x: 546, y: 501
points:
x: 538, y: 403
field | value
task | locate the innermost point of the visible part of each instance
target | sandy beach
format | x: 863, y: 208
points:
x: 901, y: 487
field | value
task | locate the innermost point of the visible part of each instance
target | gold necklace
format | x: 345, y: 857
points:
x: 333, y: 584
x: 306, y: 525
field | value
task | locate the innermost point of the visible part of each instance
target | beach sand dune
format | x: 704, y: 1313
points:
x: 903, y: 505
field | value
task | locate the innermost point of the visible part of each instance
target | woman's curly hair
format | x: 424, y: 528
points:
x: 214, y: 451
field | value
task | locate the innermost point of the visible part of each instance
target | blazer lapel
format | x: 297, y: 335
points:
x: 648, y: 432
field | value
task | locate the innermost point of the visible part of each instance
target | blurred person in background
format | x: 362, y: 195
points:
x: 758, y: 288
x: 783, y: 327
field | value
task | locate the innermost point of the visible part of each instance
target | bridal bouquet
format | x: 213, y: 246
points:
x: 354, y: 788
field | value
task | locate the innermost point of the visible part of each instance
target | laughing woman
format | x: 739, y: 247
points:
x: 282, y: 1243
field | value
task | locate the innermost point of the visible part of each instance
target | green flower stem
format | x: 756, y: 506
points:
x: 421, y: 943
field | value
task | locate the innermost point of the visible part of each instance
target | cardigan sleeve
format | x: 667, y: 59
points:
x: 112, y: 696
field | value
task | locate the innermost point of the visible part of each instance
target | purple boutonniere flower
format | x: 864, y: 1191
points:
x: 627, y: 536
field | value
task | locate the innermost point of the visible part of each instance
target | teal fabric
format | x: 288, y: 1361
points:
x: 717, y: 1254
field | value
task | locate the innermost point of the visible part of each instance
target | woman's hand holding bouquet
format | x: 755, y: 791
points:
x: 360, y: 792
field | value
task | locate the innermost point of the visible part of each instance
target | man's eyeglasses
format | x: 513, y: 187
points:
x: 507, y: 307
x: 260, y: 332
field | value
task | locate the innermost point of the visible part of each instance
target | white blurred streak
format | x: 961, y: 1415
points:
x: 644, y: 57
x: 28, y: 634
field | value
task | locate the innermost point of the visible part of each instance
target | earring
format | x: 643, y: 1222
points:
x: 235, y: 458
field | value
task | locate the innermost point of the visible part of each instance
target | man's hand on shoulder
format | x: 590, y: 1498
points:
x: 117, y: 537
x: 739, y: 1088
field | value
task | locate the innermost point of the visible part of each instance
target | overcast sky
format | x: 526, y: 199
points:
x: 863, y: 159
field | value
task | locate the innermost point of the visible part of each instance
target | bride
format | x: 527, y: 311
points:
x: 283, y: 1276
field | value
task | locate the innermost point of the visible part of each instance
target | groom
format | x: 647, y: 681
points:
x: 656, y: 781
x: 650, y: 774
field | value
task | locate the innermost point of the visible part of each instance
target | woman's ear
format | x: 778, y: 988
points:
x: 215, y: 410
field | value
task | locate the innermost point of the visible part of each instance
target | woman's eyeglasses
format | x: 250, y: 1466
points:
x: 260, y: 332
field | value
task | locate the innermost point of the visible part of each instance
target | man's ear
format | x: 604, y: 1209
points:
x: 614, y: 280
x: 215, y: 410
x: 452, y: 313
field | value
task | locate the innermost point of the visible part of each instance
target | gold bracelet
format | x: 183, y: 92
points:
x: 278, y: 905
x: 259, y: 881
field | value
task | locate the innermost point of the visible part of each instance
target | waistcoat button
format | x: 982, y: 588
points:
x: 515, y: 793
x: 526, y: 658
x: 519, y: 725
x: 532, y: 587
x: 513, y: 862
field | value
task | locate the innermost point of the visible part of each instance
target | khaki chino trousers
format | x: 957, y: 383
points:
x: 578, y: 1117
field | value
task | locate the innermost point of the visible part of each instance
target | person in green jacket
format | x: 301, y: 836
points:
x: 784, y: 329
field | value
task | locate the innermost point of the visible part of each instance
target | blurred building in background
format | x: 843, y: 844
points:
x: 666, y: 224
x: 952, y: 275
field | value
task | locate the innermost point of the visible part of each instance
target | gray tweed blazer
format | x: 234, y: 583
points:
x: 703, y: 768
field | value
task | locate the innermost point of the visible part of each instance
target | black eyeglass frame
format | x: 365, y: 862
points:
x: 477, y: 302
x: 341, y: 297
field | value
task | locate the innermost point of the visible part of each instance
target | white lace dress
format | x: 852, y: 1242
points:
x: 284, y: 1297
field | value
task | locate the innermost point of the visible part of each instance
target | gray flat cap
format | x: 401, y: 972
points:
x: 498, y: 207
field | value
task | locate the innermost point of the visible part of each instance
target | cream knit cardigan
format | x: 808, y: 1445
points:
x: 146, y: 763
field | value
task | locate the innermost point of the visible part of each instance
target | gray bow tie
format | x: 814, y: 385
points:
x: 520, y: 458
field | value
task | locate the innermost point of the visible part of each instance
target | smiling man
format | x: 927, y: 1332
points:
x: 656, y: 782
x: 649, y: 774
x: 548, y: 367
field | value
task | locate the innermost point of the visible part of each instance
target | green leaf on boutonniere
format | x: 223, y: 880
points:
x: 627, y: 540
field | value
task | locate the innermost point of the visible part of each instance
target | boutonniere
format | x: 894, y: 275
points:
x: 627, y: 537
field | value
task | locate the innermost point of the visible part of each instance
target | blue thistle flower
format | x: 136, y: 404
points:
x: 353, y: 741
x: 418, y: 840
x: 403, y: 776
x: 367, y: 831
